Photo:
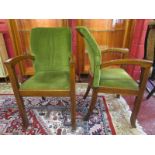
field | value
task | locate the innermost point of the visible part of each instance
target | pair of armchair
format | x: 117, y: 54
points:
x: 55, y: 71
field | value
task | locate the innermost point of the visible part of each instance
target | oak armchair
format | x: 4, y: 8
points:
x: 54, y: 69
x: 114, y: 80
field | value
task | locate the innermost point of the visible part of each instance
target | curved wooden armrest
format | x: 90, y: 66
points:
x: 15, y: 60
x: 119, y: 50
x: 139, y: 62
x: 10, y: 64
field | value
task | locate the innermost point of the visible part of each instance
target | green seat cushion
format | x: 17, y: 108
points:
x: 117, y: 78
x: 52, y: 80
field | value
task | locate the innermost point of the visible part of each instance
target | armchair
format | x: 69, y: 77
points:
x: 114, y: 80
x: 54, y: 69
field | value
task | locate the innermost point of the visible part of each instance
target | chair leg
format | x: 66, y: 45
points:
x: 73, y: 111
x: 135, y: 110
x: 92, y: 105
x: 118, y: 96
x: 87, y: 92
x: 151, y: 93
x: 22, y: 111
x: 43, y: 98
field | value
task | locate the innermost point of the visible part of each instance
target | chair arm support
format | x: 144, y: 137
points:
x: 10, y: 65
x: 139, y: 62
x: 15, y: 60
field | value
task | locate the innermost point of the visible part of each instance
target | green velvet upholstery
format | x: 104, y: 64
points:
x: 53, y: 80
x: 94, y: 53
x: 117, y: 78
x: 52, y: 50
x: 107, y: 77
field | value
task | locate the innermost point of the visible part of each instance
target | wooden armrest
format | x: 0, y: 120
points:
x: 15, y: 60
x: 124, y: 52
x: 119, y: 50
x: 10, y: 64
x: 139, y: 62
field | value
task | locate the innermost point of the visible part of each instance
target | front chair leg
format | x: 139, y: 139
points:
x: 135, y: 111
x: 22, y: 111
x: 92, y: 105
x: 43, y: 98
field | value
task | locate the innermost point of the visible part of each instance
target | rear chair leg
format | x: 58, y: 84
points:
x: 135, y: 110
x: 43, y: 98
x: 87, y: 92
x: 92, y: 105
x: 118, y: 96
x: 89, y: 87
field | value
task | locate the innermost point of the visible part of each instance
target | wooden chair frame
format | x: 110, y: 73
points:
x: 10, y: 64
x: 144, y: 64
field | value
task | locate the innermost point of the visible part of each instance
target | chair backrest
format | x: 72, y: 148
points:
x: 51, y: 48
x: 149, y: 49
x: 94, y: 53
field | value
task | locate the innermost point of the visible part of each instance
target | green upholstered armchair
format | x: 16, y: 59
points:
x: 54, y: 69
x: 114, y: 80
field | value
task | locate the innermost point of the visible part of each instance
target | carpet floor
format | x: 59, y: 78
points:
x: 52, y: 116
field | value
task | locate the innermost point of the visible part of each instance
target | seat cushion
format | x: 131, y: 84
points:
x: 117, y: 78
x: 48, y: 81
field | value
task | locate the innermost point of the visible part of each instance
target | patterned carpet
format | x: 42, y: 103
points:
x: 52, y: 116
x: 110, y: 116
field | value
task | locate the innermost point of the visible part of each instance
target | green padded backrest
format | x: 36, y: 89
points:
x: 51, y: 48
x: 94, y: 53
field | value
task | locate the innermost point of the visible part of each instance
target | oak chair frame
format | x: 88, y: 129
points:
x: 10, y: 64
x: 144, y: 64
